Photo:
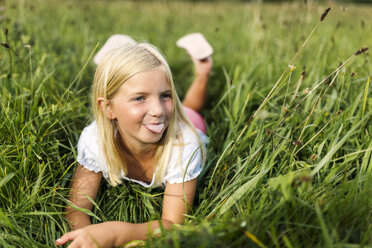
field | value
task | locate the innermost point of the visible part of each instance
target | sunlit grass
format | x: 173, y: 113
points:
x: 297, y: 173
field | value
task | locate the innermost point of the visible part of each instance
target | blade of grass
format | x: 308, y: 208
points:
x: 337, y: 146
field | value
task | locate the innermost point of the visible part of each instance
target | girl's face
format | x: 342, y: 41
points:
x: 143, y: 108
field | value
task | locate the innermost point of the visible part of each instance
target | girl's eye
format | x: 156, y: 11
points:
x: 166, y: 96
x: 139, y: 98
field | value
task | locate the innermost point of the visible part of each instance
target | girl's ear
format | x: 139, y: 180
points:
x: 105, y: 107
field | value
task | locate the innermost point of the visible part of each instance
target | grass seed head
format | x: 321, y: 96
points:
x: 5, y: 44
x: 313, y: 157
x: 305, y: 178
x: 326, y: 81
x: 325, y: 13
x: 360, y: 51
x: 303, y: 74
x: 306, y: 91
x: 211, y: 216
x: 268, y: 132
x: 291, y: 67
x: 297, y: 143
x: 285, y: 109
x: 250, y: 118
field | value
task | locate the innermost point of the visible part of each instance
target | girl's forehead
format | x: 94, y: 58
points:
x: 155, y: 79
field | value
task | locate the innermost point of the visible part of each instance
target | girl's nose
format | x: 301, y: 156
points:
x: 156, y: 108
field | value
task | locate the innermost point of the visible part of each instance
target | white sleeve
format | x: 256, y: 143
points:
x: 190, y: 164
x: 88, y: 149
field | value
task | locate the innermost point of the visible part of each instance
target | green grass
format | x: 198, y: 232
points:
x: 299, y: 174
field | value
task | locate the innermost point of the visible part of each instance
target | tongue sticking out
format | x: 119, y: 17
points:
x: 155, y: 128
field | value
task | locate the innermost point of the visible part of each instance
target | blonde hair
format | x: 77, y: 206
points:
x: 114, y: 70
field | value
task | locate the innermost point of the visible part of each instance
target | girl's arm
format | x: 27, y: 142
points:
x: 84, y: 183
x: 116, y: 233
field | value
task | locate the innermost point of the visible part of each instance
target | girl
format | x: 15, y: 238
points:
x: 140, y: 133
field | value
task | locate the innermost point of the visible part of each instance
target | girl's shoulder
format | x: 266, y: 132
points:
x: 89, y: 138
x: 188, y: 136
x: 90, y: 130
x: 186, y: 160
x: 89, y: 154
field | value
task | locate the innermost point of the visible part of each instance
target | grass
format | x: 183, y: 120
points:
x: 297, y: 174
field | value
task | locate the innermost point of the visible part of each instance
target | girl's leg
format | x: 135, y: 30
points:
x: 195, y: 118
x: 195, y: 96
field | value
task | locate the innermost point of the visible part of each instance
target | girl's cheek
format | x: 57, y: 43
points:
x: 136, y: 110
x: 131, y: 111
x: 169, y: 108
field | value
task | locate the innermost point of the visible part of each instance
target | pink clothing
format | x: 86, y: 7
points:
x: 195, y: 119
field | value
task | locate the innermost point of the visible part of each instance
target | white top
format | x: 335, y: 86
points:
x: 91, y: 157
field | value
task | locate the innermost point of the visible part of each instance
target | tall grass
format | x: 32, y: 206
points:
x: 295, y: 173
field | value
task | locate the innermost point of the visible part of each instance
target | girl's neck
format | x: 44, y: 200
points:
x: 139, y: 152
x: 140, y: 163
x: 142, y: 153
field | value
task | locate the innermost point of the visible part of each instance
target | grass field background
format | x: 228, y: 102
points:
x: 296, y: 173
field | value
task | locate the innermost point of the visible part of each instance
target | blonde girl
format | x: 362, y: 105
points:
x: 141, y: 133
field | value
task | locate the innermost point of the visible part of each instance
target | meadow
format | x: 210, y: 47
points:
x: 288, y: 113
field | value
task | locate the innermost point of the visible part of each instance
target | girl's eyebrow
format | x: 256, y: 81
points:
x: 166, y: 91
x: 147, y: 93
x: 139, y: 93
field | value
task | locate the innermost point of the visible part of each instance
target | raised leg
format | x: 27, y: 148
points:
x: 195, y: 96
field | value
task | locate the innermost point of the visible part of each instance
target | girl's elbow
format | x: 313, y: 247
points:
x: 167, y: 223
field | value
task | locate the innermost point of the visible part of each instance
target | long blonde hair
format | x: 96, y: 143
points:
x: 114, y: 70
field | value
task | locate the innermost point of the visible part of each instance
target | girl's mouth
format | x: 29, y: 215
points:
x: 155, y: 128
